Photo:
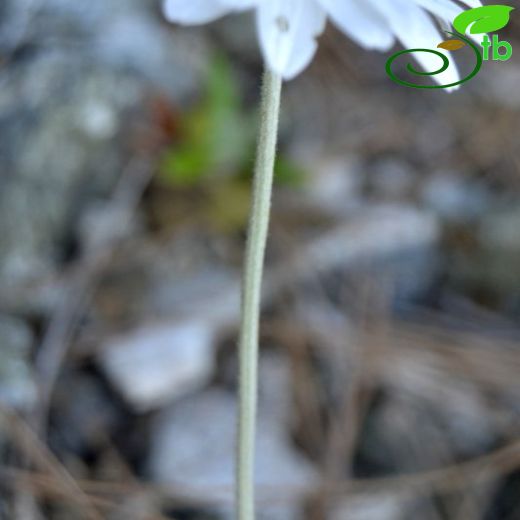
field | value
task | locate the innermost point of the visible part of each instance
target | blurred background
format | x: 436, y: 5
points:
x: 390, y: 354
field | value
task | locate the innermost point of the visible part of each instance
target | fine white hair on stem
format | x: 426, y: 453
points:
x: 251, y: 293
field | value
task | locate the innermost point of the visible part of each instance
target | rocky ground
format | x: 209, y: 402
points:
x: 390, y: 338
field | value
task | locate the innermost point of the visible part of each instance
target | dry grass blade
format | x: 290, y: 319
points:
x: 28, y: 443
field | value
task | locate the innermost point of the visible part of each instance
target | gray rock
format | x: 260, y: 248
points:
x: 501, y: 86
x: 103, y: 224
x: 395, y: 240
x: 193, y: 449
x: 172, y: 280
x: 334, y: 183
x: 392, y: 179
x: 499, y: 237
x: 158, y: 363
x: 17, y: 385
x: 15, y: 20
x: 494, y: 264
x: 129, y: 34
x: 425, y: 407
x: 64, y: 155
x: 189, y: 277
x: 500, y: 230
x: 380, y: 506
x: 85, y: 410
x: 454, y: 198
x: 187, y: 286
x: 73, y: 74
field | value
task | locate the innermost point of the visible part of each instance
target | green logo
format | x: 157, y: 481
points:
x: 480, y: 20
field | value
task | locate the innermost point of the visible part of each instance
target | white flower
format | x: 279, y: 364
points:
x: 287, y: 29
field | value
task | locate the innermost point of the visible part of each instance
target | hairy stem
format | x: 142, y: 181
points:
x: 251, y: 293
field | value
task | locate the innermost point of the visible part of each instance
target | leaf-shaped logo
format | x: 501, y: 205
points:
x: 451, y: 45
x: 488, y: 18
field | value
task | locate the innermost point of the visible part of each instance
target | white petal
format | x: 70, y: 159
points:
x: 288, y: 32
x: 415, y: 29
x: 360, y: 22
x: 193, y: 12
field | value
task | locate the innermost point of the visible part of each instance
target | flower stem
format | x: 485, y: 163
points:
x: 251, y: 293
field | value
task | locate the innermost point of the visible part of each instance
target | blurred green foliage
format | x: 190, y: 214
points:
x: 215, y: 150
x: 217, y: 136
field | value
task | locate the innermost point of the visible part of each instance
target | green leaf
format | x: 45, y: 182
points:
x: 186, y: 165
x: 485, y: 19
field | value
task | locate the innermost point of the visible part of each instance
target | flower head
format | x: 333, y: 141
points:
x: 288, y: 29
